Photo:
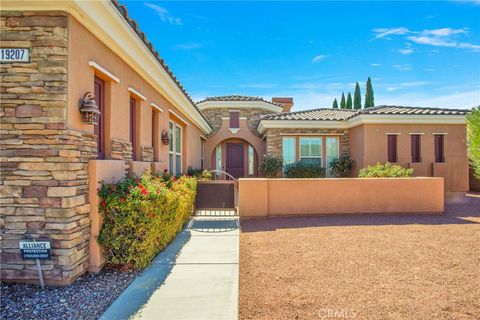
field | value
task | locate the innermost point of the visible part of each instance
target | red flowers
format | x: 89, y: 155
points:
x: 104, y: 203
x: 144, y: 192
x: 123, y: 200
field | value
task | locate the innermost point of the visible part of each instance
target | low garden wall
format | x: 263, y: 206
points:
x: 276, y: 197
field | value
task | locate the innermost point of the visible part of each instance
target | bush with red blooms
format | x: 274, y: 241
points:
x: 141, y: 216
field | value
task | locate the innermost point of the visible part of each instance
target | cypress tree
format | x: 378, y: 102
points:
x: 335, y: 104
x: 349, y: 101
x: 357, y: 98
x: 342, y: 102
x: 369, y: 100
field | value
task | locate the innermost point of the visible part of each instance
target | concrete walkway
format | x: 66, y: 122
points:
x: 195, y: 277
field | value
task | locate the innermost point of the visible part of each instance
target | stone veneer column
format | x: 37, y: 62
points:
x: 44, y: 176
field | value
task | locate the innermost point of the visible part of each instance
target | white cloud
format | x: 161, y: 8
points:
x: 385, y: 32
x: 187, y: 46
x: 375, y: 64
x: 406, y: 51
x: 164, y: 14
x: 320, y: 58
x: 461, y: 100
x: 429, y: 69
x: 402, y: 67
x: 442, y: 37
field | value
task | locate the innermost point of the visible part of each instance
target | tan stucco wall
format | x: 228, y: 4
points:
x: 368, y: 144
x: 84, y: 47
x: 108, y: 171
x: 264, y: 197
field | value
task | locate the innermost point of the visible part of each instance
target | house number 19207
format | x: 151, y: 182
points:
x: 14, y: 55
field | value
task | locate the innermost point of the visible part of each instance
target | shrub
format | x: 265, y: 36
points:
x: 200, y: 174
x: 303, y: 169
x: 142, y: 216
x: 473, y: 134
x: 342, y: 167
x: 386, y: 170
x: 270, y: 167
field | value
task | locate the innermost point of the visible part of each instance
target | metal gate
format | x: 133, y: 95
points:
x: 217, y: 197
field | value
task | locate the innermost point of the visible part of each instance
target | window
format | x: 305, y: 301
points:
x: 251, y: 160
x: 332, y: 151
x: 311, y: 150
x: 133, y: 133
x: 288, y: 150
x: 392, y: 148
x: 415, y: 141
x: 218, y: 158
x: 175, y: 148
x: 99, y: 129
x: 154, y: 134
x: 234, y: 119
x: 439, y: 148
x: 202, y: 153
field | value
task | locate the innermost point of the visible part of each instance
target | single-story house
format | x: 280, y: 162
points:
x: 432, y: 141
x: 73, y: 59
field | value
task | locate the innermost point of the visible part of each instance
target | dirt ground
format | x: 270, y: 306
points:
x: 363, y: 267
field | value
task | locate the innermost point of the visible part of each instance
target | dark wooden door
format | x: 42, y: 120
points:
x: 235, y: 159
x: 133, y: 128
x: 99, y: 129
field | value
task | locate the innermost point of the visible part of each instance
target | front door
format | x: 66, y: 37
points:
x: 235, y: 159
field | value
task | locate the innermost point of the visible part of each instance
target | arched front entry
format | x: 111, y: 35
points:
x: 237, y: 157
x: 237, y: 152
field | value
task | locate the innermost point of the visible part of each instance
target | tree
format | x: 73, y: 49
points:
x: 335, y: 104
x: 473, y: 135
x: 342, y: 101
x: 349, y: 101
x: 369, y: 100
x: 357, y: 98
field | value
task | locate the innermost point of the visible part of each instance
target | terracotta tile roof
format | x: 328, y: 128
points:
x: 313, y: 114
x: 238, y: 97
x: 133, y: 24
x: 323, y: 114
x: 401, y: 110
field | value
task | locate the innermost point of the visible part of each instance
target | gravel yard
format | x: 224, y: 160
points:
x: 87, y: 298
x: 363, y: 267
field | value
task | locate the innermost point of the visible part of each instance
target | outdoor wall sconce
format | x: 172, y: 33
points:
x: 89, y: 109
x: 165, y: 138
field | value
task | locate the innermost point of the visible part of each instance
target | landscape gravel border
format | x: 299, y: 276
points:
x: 87, y: 298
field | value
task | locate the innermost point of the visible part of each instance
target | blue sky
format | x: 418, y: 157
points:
x: 417, y: 53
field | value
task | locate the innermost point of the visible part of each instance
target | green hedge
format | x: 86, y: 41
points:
x: 142, y: 216
x: 302, y: 169
x: 386, y: 170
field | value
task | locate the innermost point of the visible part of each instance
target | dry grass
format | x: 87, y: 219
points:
x: 367, y: 267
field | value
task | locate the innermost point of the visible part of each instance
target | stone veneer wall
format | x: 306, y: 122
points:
x: 44, y: 174
x: 215, y: 115
x: 274, y: 139
x: 146, y: 153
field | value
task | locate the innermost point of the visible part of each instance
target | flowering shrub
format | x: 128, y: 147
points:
x: 386, y: 170
x: 142, y: 216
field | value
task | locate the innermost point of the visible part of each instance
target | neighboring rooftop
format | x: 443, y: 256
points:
x: 238, y: 97
x: 329, y: 114
x: 313, y: 114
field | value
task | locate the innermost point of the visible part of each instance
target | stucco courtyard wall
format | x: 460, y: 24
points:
x: 277, y: 197
x: 368, y: 145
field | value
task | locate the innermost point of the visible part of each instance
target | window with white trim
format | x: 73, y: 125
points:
x: 311, y: 150
x: 288, y: 150
x: 175, y: 148
x: 202, y: 153
x: 218, y: 158
x: 251, y: 160
x: 332, y: 150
